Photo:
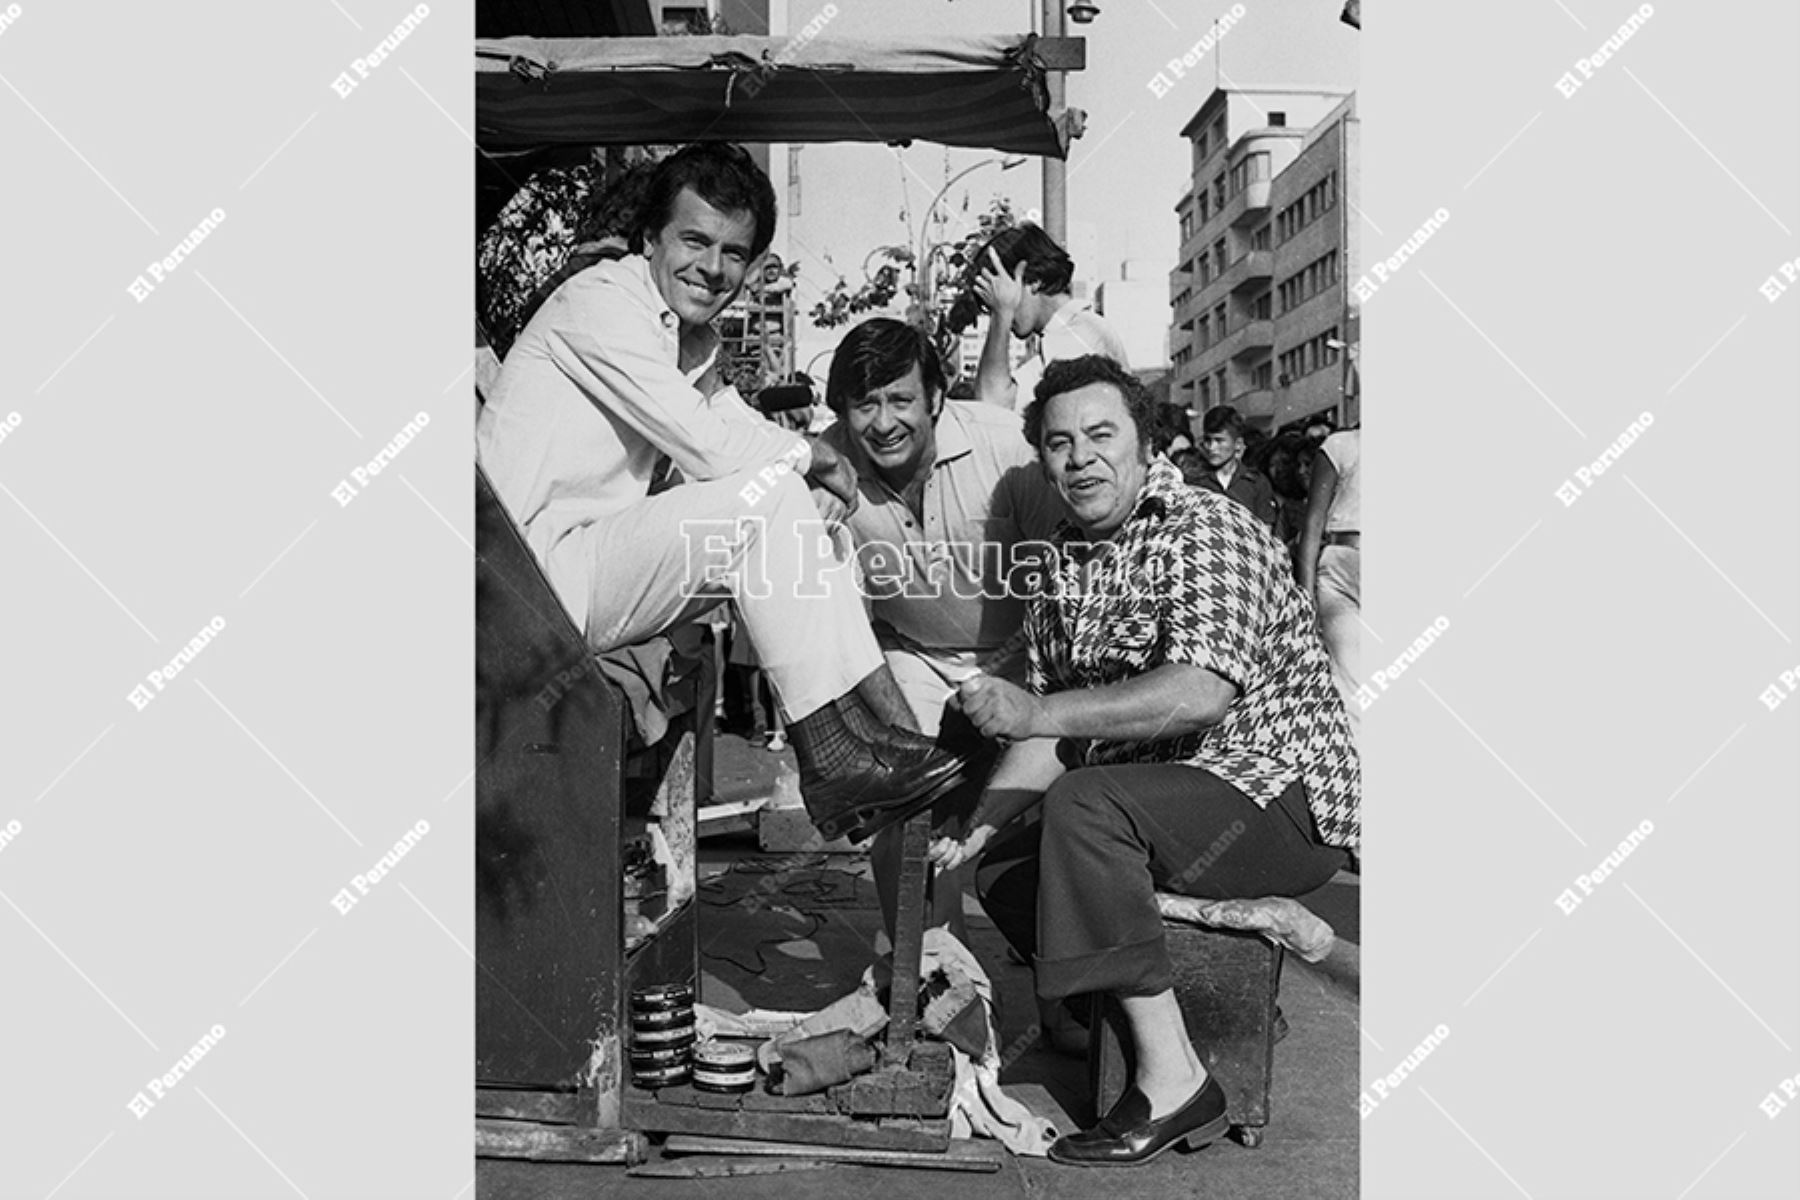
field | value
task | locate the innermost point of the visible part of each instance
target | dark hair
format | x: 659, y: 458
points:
x: 1286, y: 459
x: 1047, y: 265
x: 878, y: 352
x: 1070, y: 374
x: 1223, y: 419
x: 723, y: 175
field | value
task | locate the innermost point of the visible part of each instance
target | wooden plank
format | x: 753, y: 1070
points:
x: 738, y: 816
x: 958, y: 1156
x: 547, y: 1108
x: 909, y: 937
x: 820, y: 1129
x: 559, y: 1143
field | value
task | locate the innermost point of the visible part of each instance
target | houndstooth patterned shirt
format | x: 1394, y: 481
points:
x: 1192, y: 577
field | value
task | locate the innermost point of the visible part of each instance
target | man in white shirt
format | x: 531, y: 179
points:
x: 1024, y: 280
x: 615, y: 378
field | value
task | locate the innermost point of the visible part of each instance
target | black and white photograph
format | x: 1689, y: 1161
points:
x: 917, y: 596
x: 765, y: 598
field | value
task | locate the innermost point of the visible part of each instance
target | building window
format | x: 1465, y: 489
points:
x: 1204, y: 335
x: 1309, y: 281
x: 1260, y: 307
x: 1219, y: 263
x: 680, y: 20
x: 1319, y: 199
x: 1218, y: 191
x: 1205, y: 393
x: 1278, y: 120
x: 1262, y: 377
x: 1252, y: 168
x: 1260, y: 239
x: 1312, y: 355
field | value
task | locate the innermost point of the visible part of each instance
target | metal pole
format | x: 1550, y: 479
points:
x: 1056, y: 170
x: 921, y: 263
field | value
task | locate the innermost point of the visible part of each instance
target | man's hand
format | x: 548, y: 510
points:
x: 1000, y: 291
x: 832, y: 473
x: 947, y: 854
x: 1002, y: 710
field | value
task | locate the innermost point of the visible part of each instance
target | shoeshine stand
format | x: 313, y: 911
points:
x: 566, y: 929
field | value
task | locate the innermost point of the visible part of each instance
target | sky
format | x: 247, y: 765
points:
x: 1125, y: 174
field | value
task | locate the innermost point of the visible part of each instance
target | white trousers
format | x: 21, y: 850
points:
x: 928, y: 678
x: 670, y: 557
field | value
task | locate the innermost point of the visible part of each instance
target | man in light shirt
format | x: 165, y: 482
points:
x: 1023, y: 281
x: 615, y: 380
x: 954, y: 515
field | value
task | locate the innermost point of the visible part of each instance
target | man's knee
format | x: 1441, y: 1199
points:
x: 1080, y: 800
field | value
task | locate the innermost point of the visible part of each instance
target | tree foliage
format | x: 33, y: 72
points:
x: 898, y: 274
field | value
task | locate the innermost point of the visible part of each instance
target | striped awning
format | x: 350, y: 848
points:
x: 986, y: 92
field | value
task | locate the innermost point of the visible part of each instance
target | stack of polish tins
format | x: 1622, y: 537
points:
x: 664, y: 1052
x: 662, y: 1035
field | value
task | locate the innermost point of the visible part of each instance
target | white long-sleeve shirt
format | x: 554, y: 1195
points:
x: 591, y: 394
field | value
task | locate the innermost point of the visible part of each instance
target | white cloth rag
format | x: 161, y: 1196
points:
x: 979, y: 1106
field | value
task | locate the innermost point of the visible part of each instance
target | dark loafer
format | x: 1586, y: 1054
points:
x: 1128, y: 1137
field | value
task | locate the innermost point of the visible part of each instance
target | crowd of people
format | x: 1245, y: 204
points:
x: 1014, y: 610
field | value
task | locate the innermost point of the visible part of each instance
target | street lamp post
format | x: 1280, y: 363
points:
x: 922, y: 263
x: 1056, y: 170
x: 1351, y: 371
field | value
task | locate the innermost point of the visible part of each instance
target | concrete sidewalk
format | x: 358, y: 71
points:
x: 780, y: 932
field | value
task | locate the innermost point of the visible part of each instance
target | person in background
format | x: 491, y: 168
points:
x: 1223, y: 470
x: 1286, y: 460
x: 1330, y: 559
x: 1023, y: 280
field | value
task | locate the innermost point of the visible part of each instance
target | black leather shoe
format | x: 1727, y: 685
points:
x: 851, y: 786
x: 861, y: 720
x: 1128, y: 1137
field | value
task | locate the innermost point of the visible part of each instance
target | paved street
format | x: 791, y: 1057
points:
x: 811, y: 945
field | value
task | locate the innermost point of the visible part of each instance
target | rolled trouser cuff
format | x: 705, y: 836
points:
x: 1139, y: 969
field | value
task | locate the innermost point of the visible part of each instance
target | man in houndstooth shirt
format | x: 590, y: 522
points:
x: 1180, y: 727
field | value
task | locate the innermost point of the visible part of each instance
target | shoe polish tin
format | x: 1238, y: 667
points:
x: 662, y: 998
x: 661, y: 1077
x: 724, y: 1067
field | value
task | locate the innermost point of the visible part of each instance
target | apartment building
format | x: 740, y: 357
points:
x: 1263, y: 316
